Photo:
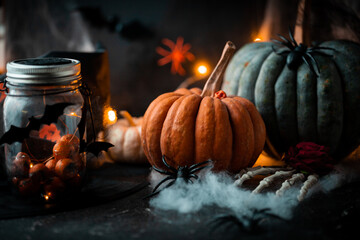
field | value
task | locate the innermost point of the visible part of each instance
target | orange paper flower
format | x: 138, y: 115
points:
x: 178, y: 54
x: 50, y: 132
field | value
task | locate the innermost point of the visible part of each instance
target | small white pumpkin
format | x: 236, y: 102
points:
x: 125, y: 136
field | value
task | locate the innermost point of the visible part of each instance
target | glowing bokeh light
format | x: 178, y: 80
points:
x: 202, y: 69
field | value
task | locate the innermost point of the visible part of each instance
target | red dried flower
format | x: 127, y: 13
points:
x: 310, y: 158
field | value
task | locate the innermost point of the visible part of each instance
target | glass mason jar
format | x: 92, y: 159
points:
x: 45, y: 160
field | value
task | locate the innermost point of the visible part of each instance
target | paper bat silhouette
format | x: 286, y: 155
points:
x: 93, y: 147
x: 51, y: 114
x: 96, y: 147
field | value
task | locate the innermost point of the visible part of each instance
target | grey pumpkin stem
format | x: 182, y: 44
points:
x: 213, y: 84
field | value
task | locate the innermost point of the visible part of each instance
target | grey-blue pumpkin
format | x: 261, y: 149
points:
x: 297, y: 105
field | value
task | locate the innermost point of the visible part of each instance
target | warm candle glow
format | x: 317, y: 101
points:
x: 31, y: 165
x: 110, y: 116
x: 202, y: 69
x: 46, y: 197
x: 257, y: 40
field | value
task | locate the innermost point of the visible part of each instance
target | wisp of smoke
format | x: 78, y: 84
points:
x: 217, y: 189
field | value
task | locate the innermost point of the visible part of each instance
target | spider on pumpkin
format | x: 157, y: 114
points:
x: 305, y: 162
x: 296, y: 53
x: 182, y: 172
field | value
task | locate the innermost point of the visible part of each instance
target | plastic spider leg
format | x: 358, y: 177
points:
x: 155, y: 193
x: 308, y: 184
x: 167, y: 165
x: 283, y: 52
x: 291, y: 35
x: 161, y: 182
x: 321, y: 48
x: 288, y: 45
x: 199, y: 164
x: 312, y: 59
x: 318, y: 52
x: 162, y: 171
x: 286, y: 42
x: 198, y: 169
x: 227, y: 221
x: 295, y: 178
x: 193, y: 176
x: 309, y: 65
x: 268, y: 180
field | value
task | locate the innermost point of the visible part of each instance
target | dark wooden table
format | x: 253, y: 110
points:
x: 333, y: 215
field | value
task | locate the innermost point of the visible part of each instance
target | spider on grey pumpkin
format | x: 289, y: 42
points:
x: 297, y: 53
x: 182, y: 172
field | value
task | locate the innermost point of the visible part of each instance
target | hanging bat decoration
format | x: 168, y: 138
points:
x: 18, y: 134
x: 93, y: 147
x: 51, y: 115
x: 96, y: 147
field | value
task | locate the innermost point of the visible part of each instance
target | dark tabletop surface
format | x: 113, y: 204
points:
x: 332, y: 215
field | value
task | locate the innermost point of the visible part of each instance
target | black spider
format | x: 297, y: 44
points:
x: 250, y: 224
x: 182, y: 172
x: 296, y: 53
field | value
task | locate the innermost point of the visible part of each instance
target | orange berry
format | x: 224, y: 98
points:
x: 21, y: 165
x: 39, y: 173
x: 66, y: 168
x: 63, y: 150
x: 71, y: 139
x: 28, y: 187
x: 54, y: 187
x: 51, y: 165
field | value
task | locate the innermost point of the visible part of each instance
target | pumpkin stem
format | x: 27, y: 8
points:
x: 213, y: 84
x: 128, y: 117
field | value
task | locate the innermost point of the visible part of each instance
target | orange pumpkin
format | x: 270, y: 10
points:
x: 190, y: 126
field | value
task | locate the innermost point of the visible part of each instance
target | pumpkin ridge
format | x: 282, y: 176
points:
x: 178, y: 133
x: 306, y: 104
x: 345, y: 60
x: 285, y: 102
x: 252, y: 71
x: 152, y: 105
x: 223, y: 136
x: 204, y: 130
x: 265, y: 94
x: 156, y: 116
x: 243, y: 138
x: 330, y: 102
x: 258, y: 127
x: 244, y: 56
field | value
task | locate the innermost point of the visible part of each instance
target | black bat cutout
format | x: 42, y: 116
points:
x: 93, y: 147
x: 51, y: 114
x: 96, y: 147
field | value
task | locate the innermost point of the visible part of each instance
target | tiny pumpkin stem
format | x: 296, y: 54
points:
x: 213, y: 84
x: 128, y: 117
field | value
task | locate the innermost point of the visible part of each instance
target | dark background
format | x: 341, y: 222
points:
x: 35, y: 27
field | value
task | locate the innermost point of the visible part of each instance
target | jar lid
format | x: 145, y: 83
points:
x: 43, y: 71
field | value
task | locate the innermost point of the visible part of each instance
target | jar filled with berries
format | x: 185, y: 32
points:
x: 44, y: 125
